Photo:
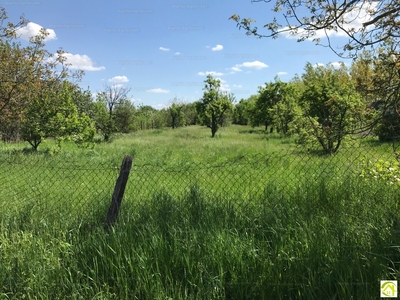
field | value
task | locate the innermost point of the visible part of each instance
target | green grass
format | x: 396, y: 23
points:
x: 246, y: 215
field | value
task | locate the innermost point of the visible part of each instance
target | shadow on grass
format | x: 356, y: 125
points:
x: 256, y: 131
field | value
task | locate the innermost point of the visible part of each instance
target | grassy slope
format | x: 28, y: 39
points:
x: 308, y: 229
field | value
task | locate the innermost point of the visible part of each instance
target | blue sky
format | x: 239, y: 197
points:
x: 164, y: 49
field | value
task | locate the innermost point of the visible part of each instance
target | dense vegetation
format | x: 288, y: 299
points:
x: 292, y: 201
x: 39, y: 99
x: 244, y: 215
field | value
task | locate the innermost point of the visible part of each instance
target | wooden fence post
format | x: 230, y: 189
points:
x: 119, y: 190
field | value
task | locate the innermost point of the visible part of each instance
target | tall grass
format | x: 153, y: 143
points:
x: 319, y: 244
x: 307, y: 228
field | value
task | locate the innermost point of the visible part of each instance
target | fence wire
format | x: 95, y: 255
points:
x: 50, y: 188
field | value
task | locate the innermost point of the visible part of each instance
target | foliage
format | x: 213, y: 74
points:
x: 268, y: 97
x: 83, y: 100
x: 103, y: 123
x: 190, y: 113
x: 331, y: 106
x: 362, y: 73
x: 387, y: 171
x: 27, y: 72
x: 214, y: 104
x: 176, y: 114
x: 277, y: 106
x: 377, y: 79
x: 321, y: 236
x: 388, y: 126
x: 375, y: 36
x: 53, y: 114
x: 312, y: 19
x: 124, y: 116
x: 243, y: 110
x: 386, y: 90
x: 147, y: 117
x: 111, y: 97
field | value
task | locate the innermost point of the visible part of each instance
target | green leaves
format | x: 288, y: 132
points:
x: 381, y: 170
x: 53, y: 114
x: 331, y: 104
x: 214, y: 104
x: 309, y: 19
x: 177, y: 117
x: 277, y: 105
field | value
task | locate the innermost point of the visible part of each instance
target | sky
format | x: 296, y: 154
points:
x: 162, y: 50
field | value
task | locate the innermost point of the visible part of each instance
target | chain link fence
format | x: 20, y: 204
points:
x: 49, y: 188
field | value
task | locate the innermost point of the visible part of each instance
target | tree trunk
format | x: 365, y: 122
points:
x: 214, y: 126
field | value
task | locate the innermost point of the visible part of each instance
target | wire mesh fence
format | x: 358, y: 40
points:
x: 51, y: 188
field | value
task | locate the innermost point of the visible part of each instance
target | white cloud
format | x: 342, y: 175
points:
x: 353, y: 22
x: 160, y: 106
x: 164, y: 49
x: 213, y: 73
x: 236, y: 68
x: 224, y: 86
x: 336, y: 64
x: 177, y: 53
x: 81, y: 62
x: 318, y: 65
x: 118, y: 86
x: 237, y: 86
x: 158, y: 91
x: 119, y: 79
x: 217, y: 48
x: 281, y: 73
x: 32, y: 29
x: 258, y: 65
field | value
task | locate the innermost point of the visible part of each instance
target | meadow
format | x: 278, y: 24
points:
x: 244, y: 215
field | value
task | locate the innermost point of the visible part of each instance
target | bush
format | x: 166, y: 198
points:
x: 381, y: 170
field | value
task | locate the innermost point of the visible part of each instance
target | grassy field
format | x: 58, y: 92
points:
x: 246, y: 215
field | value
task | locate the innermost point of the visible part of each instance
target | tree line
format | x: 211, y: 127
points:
x: 327, y: 103
x: 40, y: 98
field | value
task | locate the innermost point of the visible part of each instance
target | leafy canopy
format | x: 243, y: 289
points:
x: 214, y: 104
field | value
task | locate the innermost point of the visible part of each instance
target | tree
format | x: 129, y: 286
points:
x: 269, y: 96
x: 287, y: 109
x: 53, y: 114
x: 83, y: 100
x: 378, y: 21
x: 146, y: 117
x: 362, y: 74
x: 378, y: 81
x: 103, y: 124
x: 190, y: 113
x: 112, y: 96
x: 25, y: 73
x: 9, y: 32
x: 124, y: 116
x: 371, y: 27
x: 212, y: 107
x: 226, y: 118
x: 243, y: 109
x: 331, y: 106
x: 176, y: 114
